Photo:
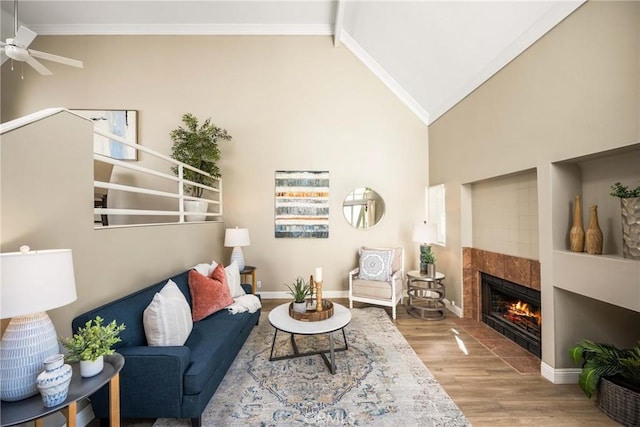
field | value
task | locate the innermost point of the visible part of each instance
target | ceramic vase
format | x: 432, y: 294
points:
x: 576, y: 234
x: 630, y: 227
x: 593, y: 242
x: 53, y: 382
x: 91, y: 368
x: 300, y: 307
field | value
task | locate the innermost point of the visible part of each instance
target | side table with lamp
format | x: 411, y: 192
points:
x: 236, y: 238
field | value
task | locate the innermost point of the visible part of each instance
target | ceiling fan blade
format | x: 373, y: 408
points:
x: 38, y: 66
x: 24, y: 37
x: 56, y: 58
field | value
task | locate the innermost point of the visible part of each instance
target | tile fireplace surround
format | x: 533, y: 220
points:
x: 523, y: 271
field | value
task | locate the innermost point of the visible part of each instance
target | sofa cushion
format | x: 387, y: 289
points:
x: 212, y: 342
x: 167, y: 319
x: 207, y: 295
x: 233, y: 280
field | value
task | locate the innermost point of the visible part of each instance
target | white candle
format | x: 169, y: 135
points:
x: 318, y: 274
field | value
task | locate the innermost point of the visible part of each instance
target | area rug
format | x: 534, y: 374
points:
x: 380, y: 381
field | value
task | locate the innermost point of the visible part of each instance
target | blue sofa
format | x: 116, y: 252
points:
x: 171, y: 382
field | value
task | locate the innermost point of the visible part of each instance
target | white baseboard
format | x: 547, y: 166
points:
x: 455, y: 309
x: 559, y: 376
x: 285, y: 294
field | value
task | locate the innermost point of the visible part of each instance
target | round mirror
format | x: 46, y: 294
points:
x: 363, y: 208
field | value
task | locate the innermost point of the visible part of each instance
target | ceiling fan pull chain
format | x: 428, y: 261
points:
x: 22, y: 70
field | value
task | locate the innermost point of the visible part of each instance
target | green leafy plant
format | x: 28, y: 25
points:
x: 92, y: 341
x: 427, y: 257
x: 299, y: 289
x: 197, y: 146
x: 606, y: 361
x: 623, y: 191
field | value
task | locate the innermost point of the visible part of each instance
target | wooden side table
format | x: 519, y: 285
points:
x: 33, y: 409
x: 250, y: 270
x: 426, y: 295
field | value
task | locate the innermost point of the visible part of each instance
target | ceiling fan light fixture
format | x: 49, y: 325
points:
x: 16, y: 53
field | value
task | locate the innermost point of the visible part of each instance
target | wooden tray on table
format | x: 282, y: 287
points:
x: 313, y: 316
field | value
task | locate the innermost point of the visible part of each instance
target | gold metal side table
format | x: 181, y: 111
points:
x: 426, y: 295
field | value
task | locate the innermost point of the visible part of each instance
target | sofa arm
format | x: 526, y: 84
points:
x: 151, y: 382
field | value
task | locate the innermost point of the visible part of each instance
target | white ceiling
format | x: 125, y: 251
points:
x: 431, y: 54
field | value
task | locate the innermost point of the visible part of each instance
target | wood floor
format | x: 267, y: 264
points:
x: 501, y: 388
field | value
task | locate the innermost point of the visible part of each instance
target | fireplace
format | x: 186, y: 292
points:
x: 513, y: 310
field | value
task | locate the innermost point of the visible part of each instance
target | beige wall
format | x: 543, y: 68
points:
x: 575, y: 92
x: 505, y: 215
x: 47, y: 204
x: 290, y: 103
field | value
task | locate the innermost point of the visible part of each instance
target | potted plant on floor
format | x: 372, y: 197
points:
x: 197, y: 146
x: 91, y: 343
x: 299, y: 290
x: 630, y: 208
x: 615, y: 374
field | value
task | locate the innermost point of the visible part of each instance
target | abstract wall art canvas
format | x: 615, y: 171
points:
x: 302, y: 204
x: 123, y: 123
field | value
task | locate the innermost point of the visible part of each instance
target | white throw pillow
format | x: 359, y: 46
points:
x: 375, y: 264
x: 167, y: 319
x: 233, y: 280
x: 205, y: 269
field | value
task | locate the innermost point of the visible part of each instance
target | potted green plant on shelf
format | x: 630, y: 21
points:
x: 615, y: 374
x: 630, y: 209
x: 427, y: 262
x: 197, y: 146
x: 299, y: 290
x: 91, y: 343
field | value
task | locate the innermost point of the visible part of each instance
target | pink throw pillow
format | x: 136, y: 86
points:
x: 207, y: 295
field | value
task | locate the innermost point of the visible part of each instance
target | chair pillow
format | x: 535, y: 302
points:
x: 167, y: 319
x: 375, y: 264
x: 208, y: 295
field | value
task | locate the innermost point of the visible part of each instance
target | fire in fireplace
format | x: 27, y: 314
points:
x: 513, y: 310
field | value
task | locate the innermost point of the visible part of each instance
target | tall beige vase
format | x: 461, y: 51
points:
x: 631, y: 227
x: 594, y: 233
x: 576, y: 234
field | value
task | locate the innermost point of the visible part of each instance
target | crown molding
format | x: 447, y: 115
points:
x: 185, y: 29
x: 553, y: 17
x: 382, y: 74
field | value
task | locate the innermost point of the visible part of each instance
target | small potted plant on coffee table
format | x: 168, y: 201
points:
x: 299, y: 290
x: 91, y: 343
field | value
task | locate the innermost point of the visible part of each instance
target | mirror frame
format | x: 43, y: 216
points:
x: 368, y: 201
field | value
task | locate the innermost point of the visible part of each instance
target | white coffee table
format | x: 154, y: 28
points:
x: 281, y: 321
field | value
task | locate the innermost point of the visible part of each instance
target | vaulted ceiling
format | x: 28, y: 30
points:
x: 431, y: 54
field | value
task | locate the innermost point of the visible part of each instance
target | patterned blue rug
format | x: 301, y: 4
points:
x: 380, y: 381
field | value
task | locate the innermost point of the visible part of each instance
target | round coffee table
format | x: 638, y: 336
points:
x: 281, y: 321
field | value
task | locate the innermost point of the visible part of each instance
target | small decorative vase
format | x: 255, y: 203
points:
x: 630, y: 227
x: 593, y: 241
x: 300, y: 307
x: 431, y: 270
x: 91, y: 368
x: 53, y: 382
x: 576, y: 234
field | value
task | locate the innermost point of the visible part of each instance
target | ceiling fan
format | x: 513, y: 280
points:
x: 17, y: 48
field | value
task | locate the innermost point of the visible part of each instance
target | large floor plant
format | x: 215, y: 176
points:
x: 621, y: 366
x: 197, y: 146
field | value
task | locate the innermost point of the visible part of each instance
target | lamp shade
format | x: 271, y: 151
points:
x: 425, y: 232
x: 235, y: 237
x: 35, y: 281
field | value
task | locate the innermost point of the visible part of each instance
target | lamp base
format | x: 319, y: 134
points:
x: 26, y: 342
x: 237, y: 256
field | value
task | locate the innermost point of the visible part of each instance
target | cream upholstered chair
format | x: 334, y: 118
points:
x: 379, y: 277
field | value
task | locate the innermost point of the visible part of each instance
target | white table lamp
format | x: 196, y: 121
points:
x: 32, y: 282
x: 236, y: 238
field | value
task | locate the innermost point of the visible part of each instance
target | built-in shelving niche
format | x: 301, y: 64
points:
x: 608, y: 277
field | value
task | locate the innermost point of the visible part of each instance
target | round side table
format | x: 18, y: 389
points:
x: 426, y: 295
